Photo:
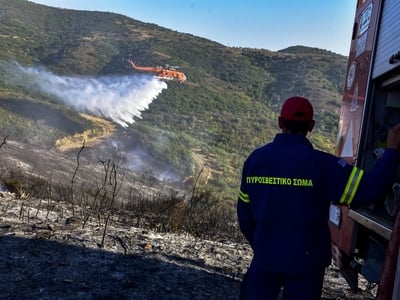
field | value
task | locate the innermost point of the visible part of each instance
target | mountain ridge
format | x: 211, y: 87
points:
x: 228, y: 105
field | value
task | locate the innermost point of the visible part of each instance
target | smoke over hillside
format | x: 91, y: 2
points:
x: 119, y: 98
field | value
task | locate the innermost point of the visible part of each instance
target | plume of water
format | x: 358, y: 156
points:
x: 119, y: 98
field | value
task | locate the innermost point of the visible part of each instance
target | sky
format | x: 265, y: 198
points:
x: 265, y: 24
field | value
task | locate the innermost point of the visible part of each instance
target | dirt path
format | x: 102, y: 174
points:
x: 91, y: 137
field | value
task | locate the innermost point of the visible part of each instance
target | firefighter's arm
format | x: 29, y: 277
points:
x: 360, y: 187
x: 352, y: 185
x: 378, y: 181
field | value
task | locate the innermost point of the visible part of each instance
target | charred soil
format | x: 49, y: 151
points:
x: 48, y: 252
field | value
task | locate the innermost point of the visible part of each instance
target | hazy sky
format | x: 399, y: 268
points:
x: 267, y: 24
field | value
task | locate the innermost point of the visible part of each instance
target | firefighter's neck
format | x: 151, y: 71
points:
x: 288, y: 131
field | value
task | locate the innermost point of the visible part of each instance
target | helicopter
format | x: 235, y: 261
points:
x: 167, y: 73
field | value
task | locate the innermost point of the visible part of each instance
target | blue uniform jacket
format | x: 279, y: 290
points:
x: 285, y: 194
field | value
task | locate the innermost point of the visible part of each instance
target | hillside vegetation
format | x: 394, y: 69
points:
x: 209, y: 124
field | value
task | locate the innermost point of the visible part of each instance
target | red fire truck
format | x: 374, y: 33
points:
x: 365, y: 239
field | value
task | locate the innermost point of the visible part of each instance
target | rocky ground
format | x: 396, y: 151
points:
x: 45, y: 255
x: 46, y: 252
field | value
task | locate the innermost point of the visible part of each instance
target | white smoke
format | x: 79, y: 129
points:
x: 119, y: 98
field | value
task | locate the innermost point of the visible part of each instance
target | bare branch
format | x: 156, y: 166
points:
x: 76, y: 171
x: 4, y: 141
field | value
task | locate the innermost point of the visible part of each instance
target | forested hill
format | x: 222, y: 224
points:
x: 226, y: 107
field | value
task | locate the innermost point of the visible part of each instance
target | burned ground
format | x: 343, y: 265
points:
x: 48, y: 252
x: 44, y: 256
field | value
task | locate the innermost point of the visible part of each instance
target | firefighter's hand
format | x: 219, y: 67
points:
x: 393, y: 140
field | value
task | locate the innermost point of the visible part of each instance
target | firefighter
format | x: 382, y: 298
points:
x: 283, y: 205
